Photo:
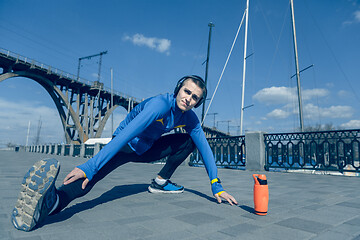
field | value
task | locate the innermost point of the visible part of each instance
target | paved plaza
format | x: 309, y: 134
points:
x: 301, y: 206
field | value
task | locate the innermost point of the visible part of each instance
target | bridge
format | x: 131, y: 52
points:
x: 83, y: 106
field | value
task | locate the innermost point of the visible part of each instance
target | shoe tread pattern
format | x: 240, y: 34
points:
x: 35, y: 185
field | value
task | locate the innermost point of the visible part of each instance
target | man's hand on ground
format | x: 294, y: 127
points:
x: 74, y: 175
x: 230, y: 199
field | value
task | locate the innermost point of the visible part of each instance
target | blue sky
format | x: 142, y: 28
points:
x: 151, y: 44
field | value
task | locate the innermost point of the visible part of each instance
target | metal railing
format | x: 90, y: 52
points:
x: 73, y: 150
x: 324, y: 151
x: 328, y: 151
x: 229, y: 152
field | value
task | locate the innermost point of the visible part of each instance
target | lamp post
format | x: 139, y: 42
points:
x: 211, y: 25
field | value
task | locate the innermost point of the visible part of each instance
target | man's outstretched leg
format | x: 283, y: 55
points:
x: 37, y: 196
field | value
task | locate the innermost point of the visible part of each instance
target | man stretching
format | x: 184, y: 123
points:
x: 139, y: 138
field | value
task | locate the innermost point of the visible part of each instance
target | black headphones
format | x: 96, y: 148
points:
x: 196, y: 78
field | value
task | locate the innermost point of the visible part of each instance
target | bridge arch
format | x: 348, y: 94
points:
x: 83, y: 106
x: 59, y: 99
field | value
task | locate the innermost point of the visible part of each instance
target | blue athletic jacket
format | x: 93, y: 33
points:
x: 145, y: 124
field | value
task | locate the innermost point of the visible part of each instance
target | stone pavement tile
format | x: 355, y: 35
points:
x: 277, y: 232
x: 332, y: 235
x: 288, y: 210
x: 304, y: 225
x: 224, y: 209
x: 4, y: 234
x: 72, y: 224
x: 217, y: 236
x: 128, y: 219
x: 177, y: 235
x: 354, y: 222
x: 165, y: 225
x: 88, y: 234
x: 130, y: 231
x: 155, y: 208
x: 344, y: 210
x: 198, y: 218
x: 266, y: 220
x: 356, y: 238
x: 336, y: 200
x: 332, y: 216
x: 104, y: 230
x: 30, y: 238
x: 352, y: 230
x: 4, y: 217
x: 314, y: 206
x: 238, y: 230
x: 111, y: 213
x: 188, y: 204
x: 161, y: 214
x: 350, y: 204
x: 16, y: 234
x: 217, y: 226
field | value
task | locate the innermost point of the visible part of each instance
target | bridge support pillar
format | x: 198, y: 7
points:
x: 71, y: 153
x: 56, y: 149
x: 255, y: 151
x: 82, y: 150
x: 62, y: 150
x: 96, y: 148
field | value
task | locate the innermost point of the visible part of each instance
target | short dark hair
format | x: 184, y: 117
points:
x: 198, y: 81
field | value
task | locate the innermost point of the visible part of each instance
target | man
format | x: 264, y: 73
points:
x: 139, y: 138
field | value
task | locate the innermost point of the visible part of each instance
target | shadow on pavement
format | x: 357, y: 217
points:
x: 247, y: 208
x: 113, y: 194
x: 117, y: 193
x: 200, y: 194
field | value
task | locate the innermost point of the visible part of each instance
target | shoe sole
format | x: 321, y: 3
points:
x: 154, y: 190
x: 37, y: 181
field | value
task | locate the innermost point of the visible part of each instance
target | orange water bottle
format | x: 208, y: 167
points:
x: 261, y: 194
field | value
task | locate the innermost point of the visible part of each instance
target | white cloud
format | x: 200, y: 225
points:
x: 357, y: 16
x: 278, y: 114
x: 342, y: 93
x: 283, y: 95
x: 330, y: 85
x: 312, y: 112
x: 351, y: 124
x: 354, y: 19
x: 159, y: 44
x: 308, y: 94
x: 274, y: 95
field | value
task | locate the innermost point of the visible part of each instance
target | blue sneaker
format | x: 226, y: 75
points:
x: 37, y: 195
x: 167, y: 187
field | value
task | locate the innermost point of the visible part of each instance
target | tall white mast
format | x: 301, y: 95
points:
x: 297, y: 67
x: 28, y: 133
x: 244, y: 68
x: 112, y: 101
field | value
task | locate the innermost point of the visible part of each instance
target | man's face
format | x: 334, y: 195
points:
x: 188, y: 95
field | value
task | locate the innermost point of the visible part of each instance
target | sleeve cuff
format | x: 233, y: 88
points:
x: 219, y: 193
x: 216, y: 188
x: 87, y: 173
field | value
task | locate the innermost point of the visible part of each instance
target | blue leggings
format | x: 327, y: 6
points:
x: 176, y: 147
